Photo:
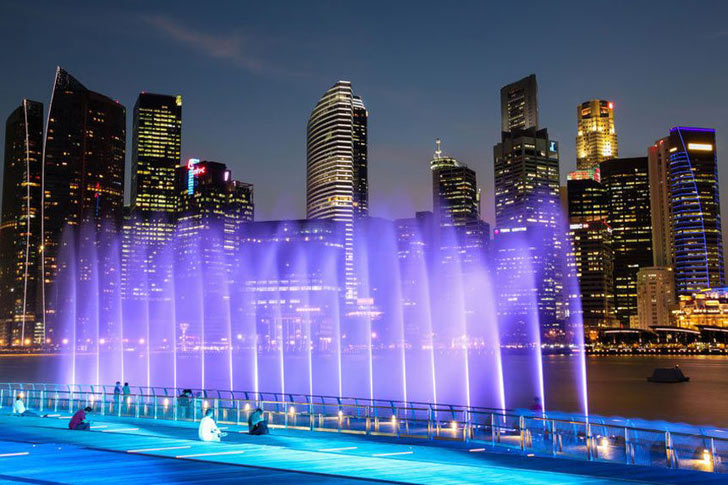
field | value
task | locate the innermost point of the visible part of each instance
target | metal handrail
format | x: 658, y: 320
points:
x: 573, y: 437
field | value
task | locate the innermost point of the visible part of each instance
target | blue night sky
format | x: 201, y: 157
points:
x: 251, y: 72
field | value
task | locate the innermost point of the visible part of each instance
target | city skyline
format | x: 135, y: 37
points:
x: 398, y: 157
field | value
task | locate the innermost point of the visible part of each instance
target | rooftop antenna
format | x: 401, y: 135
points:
x: 438, y: 149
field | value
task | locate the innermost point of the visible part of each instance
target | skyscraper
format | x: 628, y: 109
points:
x: 596, y: 138
x: 519, y: 104
x: 695, y: 210
x: 456, y: 207
x: 527, y: 207
x: 156, y: 146
x: 591, y: 238
x: 83, y: 175
x: 150, y: 222
x: 336, y: 145
x: 628, y: 200
x: 212, y: 211
x: 21, y: 317
x: 360, y: 117
x: 658, y: 160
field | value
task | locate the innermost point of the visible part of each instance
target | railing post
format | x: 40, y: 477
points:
x: 712, y: 455
x: 668, y: 450
x: 522, y: 426
x: 103, y: 400
x: 156, y: 405
x: 628, y: 452
x: 589, y: 443
x: 136, y: 406
x: 492, y: 429
x: 42, y: 398
x: 429, y: 423
x: 554, y: 440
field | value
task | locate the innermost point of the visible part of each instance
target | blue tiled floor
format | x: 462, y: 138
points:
x: 147, y: 451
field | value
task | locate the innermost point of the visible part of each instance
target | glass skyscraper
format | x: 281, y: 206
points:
x: 695, y: 210
x: 528, y: 221
x: 336, y: 166
x: 591, y: 253
x: 21, y: 311
x: 83, y: 185
x: 626, y: 181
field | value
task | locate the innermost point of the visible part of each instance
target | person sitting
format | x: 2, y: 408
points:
x: 19, y: 408
x: 536, y: 406
x: 257, y: 425
x: 208, y: 430
x: 78, y: 421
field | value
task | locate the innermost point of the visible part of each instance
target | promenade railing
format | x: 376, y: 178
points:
x: 533, y: 433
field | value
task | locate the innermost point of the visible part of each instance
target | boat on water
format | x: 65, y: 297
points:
x: 668, y: 375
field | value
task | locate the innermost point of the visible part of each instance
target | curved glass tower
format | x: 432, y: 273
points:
x: 695, y: 210
x: 336, y: 171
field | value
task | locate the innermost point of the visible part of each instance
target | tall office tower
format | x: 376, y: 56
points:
x: 592, y: 260
x: 695, y: 210
x: 83, y: 183
x: 212, y: 210
x: 519, y: 104
x: 596, y: 137
x: 658, y: 160
x: 628, y: 199
x: 335, y: 162
x: 360, y: 117
x: 156, y: 146
x: 527, y: 236
x: 456, y: 209
x: 21, y: 317
x: 208, y: 197
x: 150, y: 225
x: 655, y: 296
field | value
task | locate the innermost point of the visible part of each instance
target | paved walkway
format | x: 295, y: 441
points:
x: 42, y: 450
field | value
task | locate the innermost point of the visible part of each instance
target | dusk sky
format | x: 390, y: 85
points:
x: 250, y: 73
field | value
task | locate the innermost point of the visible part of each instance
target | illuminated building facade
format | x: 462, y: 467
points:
x: 695, y: 210
x: 704, y: 308
x: 456, y: 208
x: 157, y: 142
x: 212, y: 210
x: 360, y: 117
x: 291, y: 283
x: 626, y: 181
x: 21, y: 310
x: 655, y: 296
x: 336, y: 165
x: 596, y: 138
x: 149, y: 225
x: 658, y: 160
x: 527, y: 237
x: 592, y: 260
x: 519, y: 104
x: 83, y: 190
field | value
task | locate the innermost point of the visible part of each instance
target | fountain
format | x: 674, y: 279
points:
x: 262, y: 308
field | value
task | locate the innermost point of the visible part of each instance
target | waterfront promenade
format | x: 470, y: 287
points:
x: 42, y: 450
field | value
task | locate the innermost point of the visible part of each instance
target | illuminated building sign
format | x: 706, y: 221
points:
x: 192, y: 172
x: 553, y: 146
x: 703, y: 147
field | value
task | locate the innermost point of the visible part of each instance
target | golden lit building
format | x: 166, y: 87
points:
x: 596, y: 138
x: 706, y: 308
